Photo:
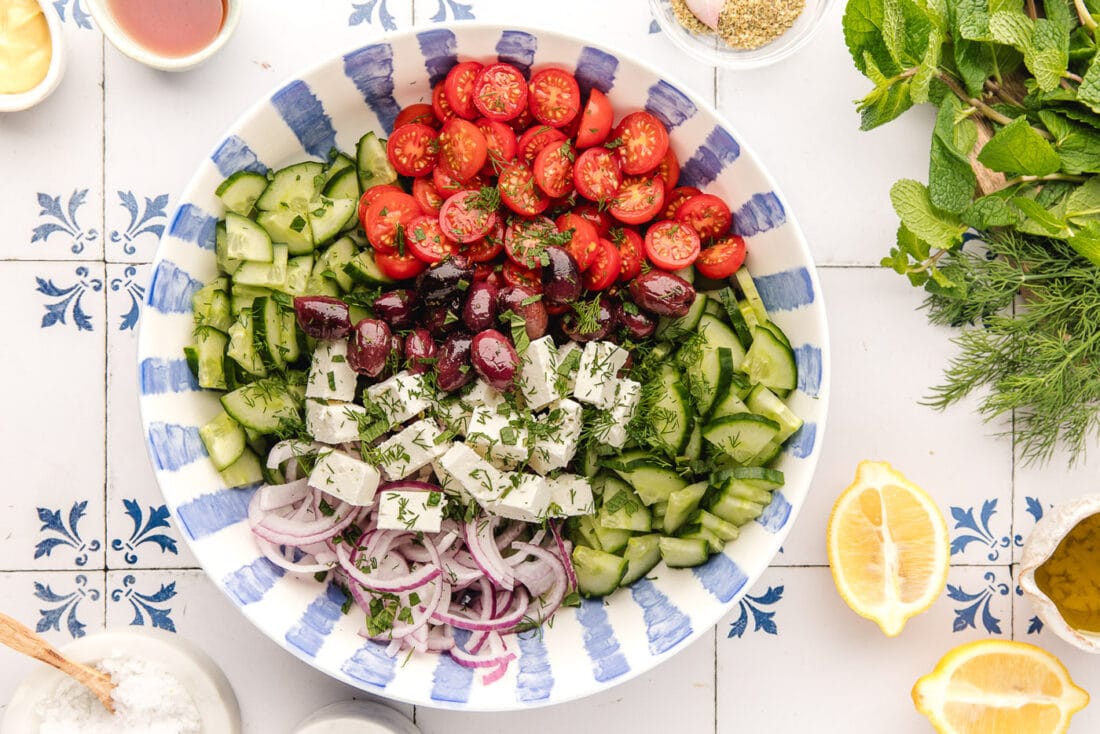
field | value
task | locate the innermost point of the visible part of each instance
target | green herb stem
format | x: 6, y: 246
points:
x: 1085, y: 16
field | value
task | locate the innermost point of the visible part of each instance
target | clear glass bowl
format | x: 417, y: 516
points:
x: 712, y: 50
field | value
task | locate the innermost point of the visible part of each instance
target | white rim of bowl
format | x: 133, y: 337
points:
x: 42, y: 90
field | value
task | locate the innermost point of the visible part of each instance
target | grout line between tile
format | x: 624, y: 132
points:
x: 106, y: 310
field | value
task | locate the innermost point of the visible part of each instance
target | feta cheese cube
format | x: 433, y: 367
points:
x: 453, y: 414
x: 482, y: 393
x: 345, y: 477
x: 570, y: 495
x: 411, y: 510
x: 597, y: 373
x: 539, y: 372
x: 401, y: 396
x: 475, y: 477
x: 569, y: 358
x: 556, y: 446
x: 333, y: 423
x: 330, y: 375
x: 527, y: 498
x: 498, y: 435
x: 411, y: 449
x: 627, y: 396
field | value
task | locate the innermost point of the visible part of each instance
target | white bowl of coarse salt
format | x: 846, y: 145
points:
x: 166, y: 685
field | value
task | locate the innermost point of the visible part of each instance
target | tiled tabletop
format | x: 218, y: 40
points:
x: 86, y: 543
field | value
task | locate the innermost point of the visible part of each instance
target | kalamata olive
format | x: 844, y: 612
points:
x: 453, y: 369
x: 664, y: 294
x: 322, y: 317
x: 369, y: 347
x: 443, y: 318
x: 420, y: 349
x: 480, y: 311
x: 396, y: 308
x: 442, y: 282
x: 591, y: 325
x: 561, y: 278
x: 528, y: 305
x: 637, y: 324
x: 494, y: 358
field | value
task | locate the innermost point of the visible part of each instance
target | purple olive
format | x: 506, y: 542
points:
x: 420, y: 349
x: 443, y: 318
x: 664, y: 294
x: 369, y: 347
x: 637, y: 324
x: 593, y: 328
x: 527, y: 304
x: 396, y: 308
x: 453, y: 368
x: 480, y: 311
x: 561, y: 278
x: 322, y: 317
x: 441, y: 283
x: 494, y: 358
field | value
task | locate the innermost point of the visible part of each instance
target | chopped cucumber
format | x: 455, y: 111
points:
x: 293, y: 187
x: 741, y: 435
x: 642, y: 553
x: 683, y: 552
x: 244, y: 471
x: 622, y: 508
x: 598, y: 572
x: 770, y: 362
x: 240, y: 191
x: 224, y: 440
x: 263, y: 405
x: 372, y: 163
x: 681, y: 504
x: 245, y: 239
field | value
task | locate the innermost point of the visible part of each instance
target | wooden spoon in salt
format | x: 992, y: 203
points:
x: 24, y: 640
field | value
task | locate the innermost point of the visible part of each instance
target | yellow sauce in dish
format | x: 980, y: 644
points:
x: 25, y: 46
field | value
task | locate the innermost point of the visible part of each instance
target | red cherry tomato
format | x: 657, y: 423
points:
x: 631, y: 250
x: 421, y: 113
x: 413, y: 149
x: 639, y: 200
x: 500, y: 92
x: 519, y: 192
x: 459, y: 88
x: 522, y: 121
x: 585, y: 238
x: 723, y: 258
x: 464, y: 218
x: 462, y: 148
x: 446, y: 184
x: 399, y: 267
x: 676, y: 197
x: 525, y: 239
x: 605, y: 267
x: 554, y: 97
x: 489, y: 246
x: 554, y: 169
x: 669, y: 170
x: 440, y: 106
x: 671, y: 245
x: 388, y: 212
x: 368, y: 198
x: 600, y: 219
x: 501, y: 142
x: 596, y: 119
x: 517, y: 275
x: 534, y: 139
x: 597, y: 174
x: 427, y: 240
x: 426, y: 195
x: 643, y: 142
x: 707, y: 214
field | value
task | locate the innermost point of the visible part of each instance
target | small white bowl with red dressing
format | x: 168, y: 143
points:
x: 171, y: 35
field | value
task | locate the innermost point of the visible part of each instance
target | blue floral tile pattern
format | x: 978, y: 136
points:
x: 977, y: 602
x: 763, y: 620
x: 135, y: 291
x: 68, y: 298
x: 977, y: 530
x: 148, y: 607
x: 64, y: 532
x: 151, y: 531
x: 78, y: 15
x: 147, y: 218
x: 64, y: 607
x: 61, y: 219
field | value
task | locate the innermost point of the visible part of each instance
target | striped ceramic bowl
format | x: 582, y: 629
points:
x: 589, y: 648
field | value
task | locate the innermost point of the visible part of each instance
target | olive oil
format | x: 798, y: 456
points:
x: 1071, y: 576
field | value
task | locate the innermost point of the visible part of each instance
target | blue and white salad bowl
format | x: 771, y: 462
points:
x: 588, y: 648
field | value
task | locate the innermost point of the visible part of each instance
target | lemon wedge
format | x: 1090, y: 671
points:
x: 888, y: 547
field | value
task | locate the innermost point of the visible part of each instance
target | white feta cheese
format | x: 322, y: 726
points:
x: 627, y: 396
x: 401, y: 396
x: 526, y: 498
x: 596, y: 373
x: 330, y: 375
x: 570, y: 495
x: 345, y: 477
x: 482, y: 393
x: 569, y: 358
x: 411, y: 510
x: 538, y: 380
x: 333, y: 423
x: 475, y: 477
x: 556, y: 446
x: 454, y: 415
x: 411, y: 449
x: 498, y: 435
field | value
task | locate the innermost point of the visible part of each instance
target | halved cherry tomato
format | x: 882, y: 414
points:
x: 501, y: 142
x: 413, y: 149
x: 427, y: 240
x: 489, y: 246
x: 631, y: 250
x: 605, y: 267
x: 643, y: 142
x: 519, y: 192
x: 388, y: 212
x: 368, y: 198
x: 640, y: 199
x: 426, y: 195
x: 554, y: 97
x: 585, y: 238
x: 707, y: 214
x: 517, y: 275
x: 420, y: 112
x: 723, y: 258
x: 676, y: 197
x: 462, y: 148
x: 671, y: 245
x: 597, y: 174
x: 554, y: 169
x: 399, y: 267
x: 534, y: 139
x: 595, y: 120
x: 459, y: 88
x: 464, y: 218
x: 500, y: 92
x: 669, y: 170
x: 591, y: 211
x: 525, y: 240
x: 446, y: 184
x: 522, y: 121
x: 440, y: 106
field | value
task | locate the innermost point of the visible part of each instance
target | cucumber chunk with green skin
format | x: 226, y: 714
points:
x: 770, y: 362
x: 265, y: 274
x: 329, y: 217
x: 622, y: 509
x: 242, y: 345
x: 224, y: 440
x: 684, y: 552
x: 652, y: 481
x: 671, y: 413
x: 293, y: 188
x: 241, y: 190
x: 726, y: 531
x: 583, y: 531
x: 298, y: 271
x: 710, y: 362
x: 612, y: 540
x: 267, y: 330
x: 677, y: 328
x: 715, y: 309
x: 209, y: 351
x: 245, y: 471
x: 264, y: 405
x: 752, y: 295
x: 598, y: 573
x: 735, y: 317
x: 741, y: 435
x: 331, y: 262
x: 364, y: 270
x: 642, y: 554
x: 372, y: 162
x: 211, y: 305
x: 226, y: 264
x: 681, y: 504
x: 763, y: 401
x: 246, y: 240
x: 343, y: 184
x: 289, y: 227
x: 735, y: 510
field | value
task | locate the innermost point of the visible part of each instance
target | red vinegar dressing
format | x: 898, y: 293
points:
x: 170, y: 27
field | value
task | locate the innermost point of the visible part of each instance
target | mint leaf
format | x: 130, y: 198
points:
x: 951, y: 180
x: 990, y: 211
x: 1086, y: 242
x: 1019, y: 148
x: 972, y: 20
x: 1088, y: 92
x: 1077, y: 146
x: 863, y: 20
x: 913, y: 204
x: 885, y: 103
x: 1011, y: 28
x: 1084, y: 202
x: 1044, y: 222
x: 929, y: 65
x: 1049, y: 55
x: 975, y: 63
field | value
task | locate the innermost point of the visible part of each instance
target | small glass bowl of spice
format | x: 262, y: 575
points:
x: 739, y: 34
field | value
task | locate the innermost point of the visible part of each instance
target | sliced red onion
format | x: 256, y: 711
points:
x: 565, y: 554
x: 413, y: 580
x: 480, y: 540
x: 276, y: 496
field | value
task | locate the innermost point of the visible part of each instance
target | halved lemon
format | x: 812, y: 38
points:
x: 999, y: 686
x: 888, y: 547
